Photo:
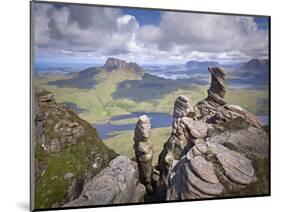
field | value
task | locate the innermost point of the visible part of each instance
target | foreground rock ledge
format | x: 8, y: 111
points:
x: 116, y: 184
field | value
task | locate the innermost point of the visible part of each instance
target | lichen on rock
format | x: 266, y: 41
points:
x: 118, y: 183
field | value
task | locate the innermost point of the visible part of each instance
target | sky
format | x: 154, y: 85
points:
x: 78, y: 34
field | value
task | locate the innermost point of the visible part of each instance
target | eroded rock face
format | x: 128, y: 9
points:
x: 49, y: 114
x: 185, y: 132
x: 144, y: 151
x: 178, y: 139
x: 209, y: 170
x: 116, y: 184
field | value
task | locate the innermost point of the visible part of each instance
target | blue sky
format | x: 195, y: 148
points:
x: 262, y: 22
x: 83, y: 34
x: 144, y: 17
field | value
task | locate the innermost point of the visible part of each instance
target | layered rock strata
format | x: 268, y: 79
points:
x: 178, y: 139
x: 216, y: 93
x: 214, y: 109
x: 209, y: 170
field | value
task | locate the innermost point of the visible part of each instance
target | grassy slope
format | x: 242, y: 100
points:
x: 78, y: 159
x: 97, y: 101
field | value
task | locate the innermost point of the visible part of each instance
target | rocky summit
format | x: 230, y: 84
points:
x: 114, y: 64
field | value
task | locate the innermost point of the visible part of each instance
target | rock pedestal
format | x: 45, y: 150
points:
x: 214, y: 109
x: 217, y: 89
x: 216, y: 93
x: 144, y: 151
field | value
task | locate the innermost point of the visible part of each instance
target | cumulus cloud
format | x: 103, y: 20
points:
x: 100, y: 32
x: 206, y: 33
x: 81, y: 28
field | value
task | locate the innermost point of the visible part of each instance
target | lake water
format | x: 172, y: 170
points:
x: 157, y: 120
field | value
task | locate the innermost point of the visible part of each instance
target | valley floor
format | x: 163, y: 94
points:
x: 96, y: 105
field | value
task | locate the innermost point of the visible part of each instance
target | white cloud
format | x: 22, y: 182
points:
x: 189, y: 32
x: 82, y: 28
x: 101, y: 32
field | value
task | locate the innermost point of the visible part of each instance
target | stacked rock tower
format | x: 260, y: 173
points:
x: 144, y: 151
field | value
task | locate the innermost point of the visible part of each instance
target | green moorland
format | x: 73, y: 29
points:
x: 97, y: 104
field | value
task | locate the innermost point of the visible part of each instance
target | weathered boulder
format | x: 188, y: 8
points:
x: 144, y: 151
x: 116, y: 184
x: 46, y: 98
x: 209, y: 170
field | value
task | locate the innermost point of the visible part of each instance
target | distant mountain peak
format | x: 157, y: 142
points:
x: 256, y: 62
x: 114, y: 64
x: 255, y: 65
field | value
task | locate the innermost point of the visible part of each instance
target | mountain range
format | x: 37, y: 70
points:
x: 129, y: 78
